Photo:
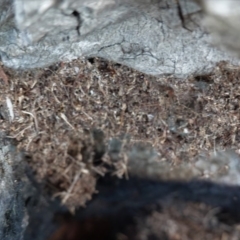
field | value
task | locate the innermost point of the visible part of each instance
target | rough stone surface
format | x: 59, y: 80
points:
x: 13, y: 218
x: 25, y: 213
x: 152, y: 36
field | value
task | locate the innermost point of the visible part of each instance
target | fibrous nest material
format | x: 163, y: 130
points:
x: 78, y: 121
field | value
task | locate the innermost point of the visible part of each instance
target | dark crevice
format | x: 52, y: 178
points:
x: 181, y: 16
x: 77, y: 15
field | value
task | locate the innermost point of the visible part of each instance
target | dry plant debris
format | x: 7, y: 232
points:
x: 192, y: 222
x: 53, y: 113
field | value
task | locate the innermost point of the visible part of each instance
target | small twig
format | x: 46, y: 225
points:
x: 68, y: 194
x: 29, y: 126
x: 63, y: 116
x: 34, y: 118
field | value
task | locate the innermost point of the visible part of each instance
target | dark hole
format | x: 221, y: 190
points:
x: 228, y: 217
x: 54, y: 67
x: 236, y: 107
x: 117, y: 65
x: 75, y: 13
x: 204, y: 78
x: 27, y: 201
x: 91, y: 60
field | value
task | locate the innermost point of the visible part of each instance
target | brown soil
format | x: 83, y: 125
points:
x: 78, y: 121
x: 66, y: 116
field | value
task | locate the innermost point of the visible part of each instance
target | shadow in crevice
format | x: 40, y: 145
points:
x: 121, y: 204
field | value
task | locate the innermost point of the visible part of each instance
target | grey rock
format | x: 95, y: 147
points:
x: 150, y: 36
x: 221, y: 19
x: 25, y: 213
x: 13, y: 217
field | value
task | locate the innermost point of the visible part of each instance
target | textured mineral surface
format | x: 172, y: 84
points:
x: 164, y: 37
